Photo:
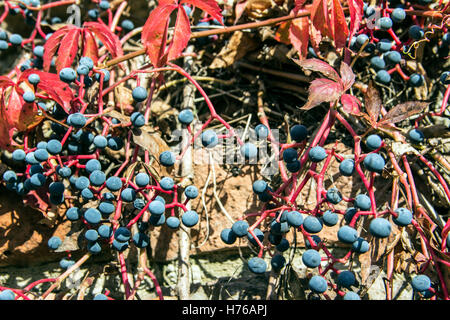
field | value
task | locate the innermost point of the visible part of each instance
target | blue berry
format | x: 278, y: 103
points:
x: 34, y: 78
x: 415, y: 32
x: 128, y: 195
x: 416, y: 80
x: 91, y: 235
x: 7, y: 295
x: 191, y: 192
x: 108, y: 196
x: 416, y: 136
x: 167, y: 158
x: 122, y: 234
x: 383, y: 77
x: 290, y: 155
x: 105, y: 231
x: 377, y: 63
x: 157, y: 220
x: 294, y: 166
x: 92, y: 216
x: 73, y: 213
x: 56, y: 188
x: 421, y: 283
x: 380, y: 228
x: 317, y: 154
x: 100, y: 296
x: 312, y: 224
x: 330, y: 218
x: 334, y: 196
x: 66, y: 263
x: 445, y: 77
x: 114, y: 183
x: 279, y: 227
x: 404, y: 217
x: 228, y: 236
x: 167, y: 183
x: 104, y: 5
x: 105, y: 73
x: 173, y: 222
x: 16, y: 39
x: 119, y: 246
x: 156, y: 208
x: 141, y: 240
x: 346, y: 279
x: 186, y: 116
x: 347, y: 234
x: 94, y: 247
x: 373, y: 142
x: 374, y: 162
x: 139, y: 94
x: 137, y: 119
x: 9, y: 176
x: 127, y: 25
x: 54, y: 242
x: 299, y: 132
x: 315, y: 239
x: 262, y: 132
x: 37, y: 180
x: 36, y: 168
x: 257, y: 265
x: 351, y: 296
x: 76, y: 120
x: 362, y: 202
x: 240, y: 228
x: 259, y: 186
x: 83, y: 70
x: 139, y: 204
x: 29, y: 96
x: 3, y: 45
x: 190, y: 218
x: 18, y: 155
x: 392, y: 57
x: 384, y: 45
x: 82, y: 183
x: 277, y: 262
x: 349, y: 214
x: 97, y: 178
x: 100, y: 142
x: 38, y: 51
x: 249, y: 151
x: 93, y: 14
x: 318, y: 284
x: 259, y: 235
x: 160, y: 199
x: 88, y: 62
x: 361, y: 39
x: 142, y: 179
x: 294, y: 219
x: 67, y: 75
x: 360, y: 245
x: 93, y: 165
x: 209, y: 139
x: 385, y: 23
x: 311, y: 258
x: 54, y: 147
x: 275, y: 239
x: 398, y: 15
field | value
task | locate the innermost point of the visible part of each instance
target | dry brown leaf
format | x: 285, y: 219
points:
x: 239, y: 45
x: 123, y: 97
x: 258, y: 8
x: 403, y: 111
x: 372, y: 102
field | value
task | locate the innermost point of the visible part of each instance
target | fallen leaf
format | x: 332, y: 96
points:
x: 238, y: 46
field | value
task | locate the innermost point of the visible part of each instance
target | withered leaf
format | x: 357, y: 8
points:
x: 70, y: 242
x: 403, y: 111
x: 372, y: 102
x: 119, y: 116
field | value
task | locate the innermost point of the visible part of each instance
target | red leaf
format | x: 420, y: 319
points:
x: 299, y: 4
x: 282, y: 33
x: 316, y: 38
x: 319, y: 17
x: 239, y: 10
x: 347, y: 76
x: 52, y: 45
x: 5, y: 82
x: 356, y: 8
x: 209, y: 6
x: 90, y: 48
x: 351, y: 104
x: 6, y: 134
x: 322, y: 90
x: 317, y: 65
x: 68, y: 50
x: 181, y: 35
x: 338, y: 25
x: 15, y: 113
x: 154, y: 31
x: 299, y: 35
x: 110, y: 40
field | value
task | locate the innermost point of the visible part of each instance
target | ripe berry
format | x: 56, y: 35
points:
x: 360, y: 246
x: 257, y: 265
x: 351, y: 296
x: 383, y: 77
x: 318, y: 284
x: 54, y: 242
x: 92, y: 216
x: 119, y: 246
x: 392, y: 57
x: 34, y: 78
x: 361, y: 39
x: 173, y: 222
x: 262, y: 131
x: 347, y: 234
x: 7, y: 295
x: 104, y: 5
x: 91, y: 235
x: 398, y: 15
x: 277, y: 262
x: 228, y: 236
x: 377, y: 63
x: 385, y: 23
x: 137, y: 119
x: 100, y: 296
x: 416, y: 80
x: 105, y: 73
x: 122, y: 234
x: 209, y: 139
x: 415, y: 32
x: 18, y: 155
x: 330, y: 218
x: 189, y: 218
x: 82, y: 183
x: 139, y: 94
x: 56, y: 188
x: 97, y: 178
x: 37, y: 180
x: 279, y: 227
x: 54, y: 147
x: 249, y: 151
x: 114, y: 183
x: 404, y: 217
x: 416, y: 136
x: 156, y: 208
x: 65, y: 263
x: 312, y: 224
x: 191, y: 192
x: 317, y: 154
x: 16, y: 39
x: 421, y: 283
x: 9, y: 176
x: 93, y: 14
x: 311, y: 258
x: 315, y: 239
x: 294, y: 219
x: 115, y: 143
x: 105, y: 231
x: 128, y: 195
x: 294, y: 166
x: 167, y: 183
x: 83, y: 70
x: 88, y: 62
x: 346, y: 279
x: 259, y: 186
x: 127, y: 25
x: 374, y: 162
x: 380, y: 228
x: 334, y: 196
x: 186, y: 116
x: 347, y: 167
x: 290, y: 155
x: 384, y: 45
x: 73, y: 213
x: 67, y: 75
x: 142, y: 179
x: 100, y: 142
x: 141, y: 240
x: 299, y: 132
x: 362, y: 202
x: 167, y: 158
x: 258, y: 233
x: 373, y: 142
x: 240, y: 228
